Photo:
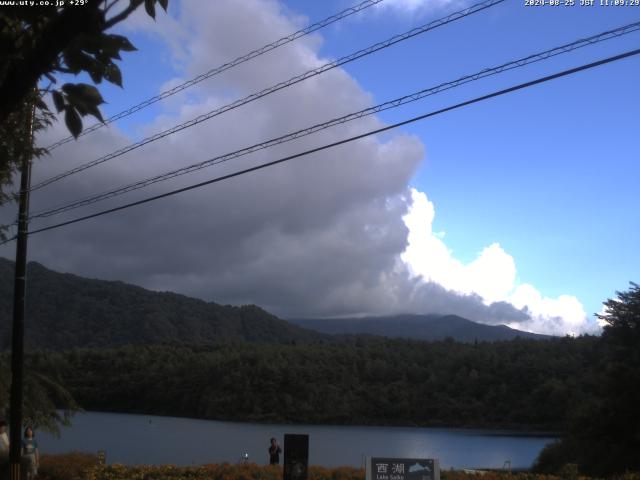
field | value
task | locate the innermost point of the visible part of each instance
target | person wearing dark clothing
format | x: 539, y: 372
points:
x: 30, y: 455
x: 4, y: 451
x: 274, y: 452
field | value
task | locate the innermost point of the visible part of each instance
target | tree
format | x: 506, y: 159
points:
x: 42, y: 41
x: 38, y: 43
x: 619, y: 408
x: 604, y: 432
x: 47, y: 401
x: 623, y: 319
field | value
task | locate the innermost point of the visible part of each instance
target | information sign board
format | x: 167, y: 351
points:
x: 382, y: 468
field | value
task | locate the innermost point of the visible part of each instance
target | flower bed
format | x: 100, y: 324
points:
x: 83, y: 466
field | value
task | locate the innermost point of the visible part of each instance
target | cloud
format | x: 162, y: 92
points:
x: 312, y: 237
x: 332, y: 234
x: 562, y: 315
x: 492, y: 276
x: 414, y: 7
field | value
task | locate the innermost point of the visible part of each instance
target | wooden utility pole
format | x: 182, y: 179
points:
x: 19, y: 293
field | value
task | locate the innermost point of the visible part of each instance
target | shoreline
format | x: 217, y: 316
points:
x: 485, y: 430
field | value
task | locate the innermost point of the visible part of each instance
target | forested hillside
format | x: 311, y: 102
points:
x: 66, y: 311
x: 417, y: 327
x: 521, y: 383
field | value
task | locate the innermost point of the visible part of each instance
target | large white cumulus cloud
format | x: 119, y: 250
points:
x: 335, y: 233
x: 492, y: 275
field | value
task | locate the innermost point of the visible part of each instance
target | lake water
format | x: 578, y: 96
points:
x: 145, y: 439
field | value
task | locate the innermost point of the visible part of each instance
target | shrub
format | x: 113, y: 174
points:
x: 83, y: 466
x: 67, y: 466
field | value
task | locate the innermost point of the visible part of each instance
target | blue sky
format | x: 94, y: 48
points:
x: 544, y: 181
x: 551, y: 173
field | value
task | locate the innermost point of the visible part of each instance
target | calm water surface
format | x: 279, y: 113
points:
x: 145, y: 439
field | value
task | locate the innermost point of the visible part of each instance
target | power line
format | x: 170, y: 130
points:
x: 346, y: 118
x: 292, y: 81
x: 215, y: 71
x: 347, y: 140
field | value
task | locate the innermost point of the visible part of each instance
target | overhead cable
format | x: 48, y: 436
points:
x: 633, y: 27
x: 222, y: 68
x: 341, y: 142
x: 292, y: 81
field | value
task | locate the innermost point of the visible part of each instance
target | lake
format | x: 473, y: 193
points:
x: 146, y: 439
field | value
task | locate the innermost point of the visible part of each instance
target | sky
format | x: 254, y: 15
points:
x: 518, y: 210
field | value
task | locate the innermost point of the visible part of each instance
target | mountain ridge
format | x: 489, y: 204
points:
x: 430, y: 327
x: 65, y: 311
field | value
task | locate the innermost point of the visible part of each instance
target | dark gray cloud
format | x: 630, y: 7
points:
x: 321, y: 235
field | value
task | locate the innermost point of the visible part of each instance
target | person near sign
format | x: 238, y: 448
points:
x: 4, y: 450
x: 274, y: 452
x: 4, y: 442
x: 30, y: 458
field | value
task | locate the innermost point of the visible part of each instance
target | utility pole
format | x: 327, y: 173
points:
x: 19, y: 292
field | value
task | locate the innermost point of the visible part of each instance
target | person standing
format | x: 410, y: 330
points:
x: 274, y: 452
x: 4, y: 451
x: 30, y: 458
x: 4, y: 442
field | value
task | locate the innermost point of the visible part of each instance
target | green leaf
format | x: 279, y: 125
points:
x: 40, y: 105
x: 84, y: 99
x: 110, y: 46
x: 73, y: 121
x: 95, y: 73
x: 106, y: 56
x: 89, y: 43
x: 91, y: 93
x: 77, y: 60
x: 58, y: 100
x: 121, y: 42
x: 83, y: 92
x: 112, y: 74
x: 80, y: 107
x: 150, y: 7
x: 93, y: 110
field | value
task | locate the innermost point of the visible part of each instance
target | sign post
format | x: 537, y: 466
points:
x: 379, y: 468
x: 296, y: 457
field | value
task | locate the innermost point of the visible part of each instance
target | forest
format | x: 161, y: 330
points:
x: 524, y: 384
x: 165, y: 354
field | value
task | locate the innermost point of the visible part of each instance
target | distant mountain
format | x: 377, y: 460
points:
x: 66, y: 311
x: 417, y: 327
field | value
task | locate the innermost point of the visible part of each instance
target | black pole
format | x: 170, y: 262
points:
x: 19, y: 292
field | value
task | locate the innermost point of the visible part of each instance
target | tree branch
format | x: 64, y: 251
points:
x: 122, y: 15
x: 110, y: 5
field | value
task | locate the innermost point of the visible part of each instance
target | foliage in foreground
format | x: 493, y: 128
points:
x: 39, y: 43
x: 67, y: 466
x: 47, y: 403
x: 46, y: 41
x: 83, y: 466
x: 604, y: 429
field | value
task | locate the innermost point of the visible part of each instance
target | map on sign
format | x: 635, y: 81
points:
x: 403, y: 469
